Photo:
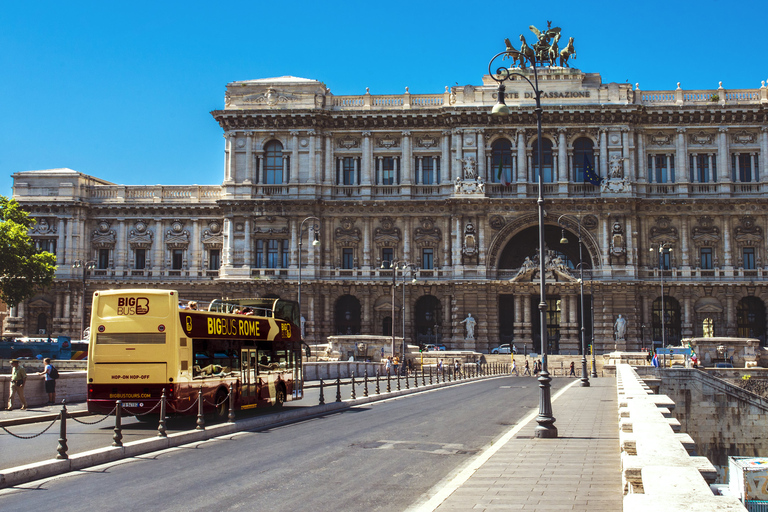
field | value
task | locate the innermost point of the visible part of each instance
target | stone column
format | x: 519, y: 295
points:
x: 457, y: 232
x: 407, y: 239
x: 684, y: 241
x: 294, y: 157
x: 158, y: 259
x: 603, y: 152
x: 61, y: 253
x: 121, y: 256
x: 248, y: 157
x: 366, y: 243
x: 727, y: 260
x: 522, y: 158
x: 481, y: 168
x: 195, y: 245
x: 641, y: 157
x: 630, y: 241
x: 730, y: 313
x: 445, y: 159
x: 681, y: 169
x: 330, y: 169
x: 723, y: 167
x: 631, y: 172
x: 458, y: 139
x: 407, y: 156
x: 295, y: 234
x: 312, y: 158
x: 763, y: 162
x: 446, y: 242
x: 367, y: 163
x: 229, y: 157
x: 229, y: 241
x: 562, y: 156
x: 604, y: 242
x: 247, y: 243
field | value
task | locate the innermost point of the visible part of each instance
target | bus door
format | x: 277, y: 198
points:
x: 248, y: 361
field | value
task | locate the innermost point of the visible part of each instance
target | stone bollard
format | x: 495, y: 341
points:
x: 378, y: 392
x: 365, y: 382
x: 161, y: 424
x: 200, y: 425
x: 117, y: 437
x: 423, y: 382
x: 62, y: 448
x: 353, y: 387
x: 389, y: 385
x: 322, y: 396
x: 231, y: 415
x: 338, y: 389
x: 398, y: 381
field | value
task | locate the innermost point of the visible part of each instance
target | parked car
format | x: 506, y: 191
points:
x: 504, y: 349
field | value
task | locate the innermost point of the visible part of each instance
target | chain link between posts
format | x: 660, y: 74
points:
x: 93, y: 422
x: 17, y: 436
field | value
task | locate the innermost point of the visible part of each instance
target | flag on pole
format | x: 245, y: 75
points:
x: 589, y: 173
x: 500, y: 173
x: 655, y: 361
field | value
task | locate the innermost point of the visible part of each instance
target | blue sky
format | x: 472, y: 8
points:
x: 123, y: 90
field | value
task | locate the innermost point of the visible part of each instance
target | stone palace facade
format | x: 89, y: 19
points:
x: 449, y: 192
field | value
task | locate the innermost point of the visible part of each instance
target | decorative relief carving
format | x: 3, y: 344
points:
x: 705, y: 234
x: 177, y: 237
x: 388, y: 142
x: 701, y: 138
x: 139, y: 236
x: 660, y: 139
x: 747, y: 233
x: 103, y: 237
x: 427, y: 142
x: 590, y: 222
x: 387, y: 235
x: 348, y: 142
x: 743, y: 137
x: 427, y: 235
x: 663, y: 232
x: 212, y: 236
x: 496, y: 222
x: 42, y: 227
x: 271, y: 97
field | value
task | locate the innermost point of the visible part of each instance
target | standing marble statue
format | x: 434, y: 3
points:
x: 620, y: 327
x: 471, y: 322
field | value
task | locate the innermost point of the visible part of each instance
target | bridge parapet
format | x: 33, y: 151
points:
x: 658, y: 471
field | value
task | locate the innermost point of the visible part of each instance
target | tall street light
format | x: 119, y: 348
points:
x: 564, y: 240
x: 592, y: 323
x: 662, y: 247
x: 403, y: 268
x: 546, y: 427
x: 86, y: 265
x: 396, y: 265
x: 315, y: 227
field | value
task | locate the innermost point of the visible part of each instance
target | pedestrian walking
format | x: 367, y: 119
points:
x: 535, y: 368
x: 514, y: 367
x: 527, y: 370
x: 18, y: 379
x: 388, y: 365
x: 573, y: 370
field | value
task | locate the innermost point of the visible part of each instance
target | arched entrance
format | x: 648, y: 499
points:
x: 348, y: 319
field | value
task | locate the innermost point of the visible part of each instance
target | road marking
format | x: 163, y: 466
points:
x: 475, y: 464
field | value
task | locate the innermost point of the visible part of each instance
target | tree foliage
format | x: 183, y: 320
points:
x: 23, y: 270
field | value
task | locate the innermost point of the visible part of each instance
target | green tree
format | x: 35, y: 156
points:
x: 23, y: 270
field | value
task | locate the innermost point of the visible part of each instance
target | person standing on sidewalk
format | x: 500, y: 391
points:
x: 50, y: 382
x: 573, y: 370
x: 18, y: 379
x: 514, y: 367
x: 527, y: 370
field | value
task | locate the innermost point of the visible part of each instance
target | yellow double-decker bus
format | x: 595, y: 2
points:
x: 143, y: 343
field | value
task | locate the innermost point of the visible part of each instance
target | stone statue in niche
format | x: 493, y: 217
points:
x: 616, y: 167
x: 470, y: 323
x: 471, y: 182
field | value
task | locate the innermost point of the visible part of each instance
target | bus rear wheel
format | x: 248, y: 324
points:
x: 222, y: 406
x: 279, y: 397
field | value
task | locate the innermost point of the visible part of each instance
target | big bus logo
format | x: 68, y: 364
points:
x: 132, y: 306
x: 285, y: 330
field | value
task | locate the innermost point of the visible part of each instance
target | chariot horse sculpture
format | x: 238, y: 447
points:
x: 566, y: 52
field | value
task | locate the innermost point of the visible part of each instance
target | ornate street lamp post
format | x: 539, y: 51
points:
x: 86, y: 265
x: 563, y: 240
x: 402, y: 266
x: 545, y: 419
x: 661, y: 248
x: 315, y: 227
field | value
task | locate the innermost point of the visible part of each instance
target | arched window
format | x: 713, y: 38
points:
x: 501, y: 162
x: 547, y: 164
x: 273, y: 163
x: 583, y: 155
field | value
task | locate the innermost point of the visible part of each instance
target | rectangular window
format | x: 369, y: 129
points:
x: 177, y: 259
x: 140, y: 259
x: 387, y: 256
x: 46, y: 245
x: 388, y: 170
x: 427, y: 170
x: 427, y: 261
x: 348, y: 171
x: 103, y: 258
x: 214, y: 259
x: 741, y: 163
x: 272, y: 256
x: 661, y: 168
x: 347, y: 259
x: 700, y: 171
x: 666, y: 259
x: 284, y: 254
x: 706, y: 258
x: 748, y: 255
x: 259, y: 254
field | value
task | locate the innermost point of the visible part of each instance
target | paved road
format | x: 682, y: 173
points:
x: 383, y: 456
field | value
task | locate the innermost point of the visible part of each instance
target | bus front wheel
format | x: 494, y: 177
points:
x: 279, y: 397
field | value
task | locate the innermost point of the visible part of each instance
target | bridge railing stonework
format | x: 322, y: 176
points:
x: 658, y: 470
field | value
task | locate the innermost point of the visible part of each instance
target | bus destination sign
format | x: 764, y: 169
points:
x: 215, y: 326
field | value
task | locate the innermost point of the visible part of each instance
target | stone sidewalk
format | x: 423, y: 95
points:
x: 579, y: 470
